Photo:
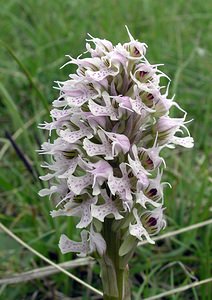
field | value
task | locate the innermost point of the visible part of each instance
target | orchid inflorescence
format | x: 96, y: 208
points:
x: 112, y: 121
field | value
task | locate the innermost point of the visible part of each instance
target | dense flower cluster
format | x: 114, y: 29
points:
x: 112, y: 121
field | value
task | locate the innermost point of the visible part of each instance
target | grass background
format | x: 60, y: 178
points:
x: 35, y: 36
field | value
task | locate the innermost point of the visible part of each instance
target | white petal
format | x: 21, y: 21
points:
x: 74, y: 136
x: 48, y: 176
x: 66, y: 245
x: 93, y: 149
x: 187, y: 142
x: 99, y: 110
x: 77, y: 184
x: 109, y: 207
x: 101, y: 74
x: 45, y: 192
x: 80, y: 99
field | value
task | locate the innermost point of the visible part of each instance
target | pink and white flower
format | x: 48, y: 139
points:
x: 112, y: 121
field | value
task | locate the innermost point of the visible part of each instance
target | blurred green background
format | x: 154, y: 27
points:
x: 35, y: 36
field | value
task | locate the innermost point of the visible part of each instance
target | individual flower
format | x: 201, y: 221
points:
x: 153, y: 221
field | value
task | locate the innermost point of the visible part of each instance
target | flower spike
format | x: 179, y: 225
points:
x: 112, y: 121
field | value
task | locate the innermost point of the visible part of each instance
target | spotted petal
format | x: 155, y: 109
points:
x: 102, y: 73
x: 93, y: 149
x: 121, y: 186
x: 78, y: 184
x: 187, y: 142
x: 61, y: 114
x: 66, y: 245
x: 109, y: 207
x: 100, y: 110
x: 120, y: 142
x: 82, y: 210
x: 74, y: 136
x: 79, y: 96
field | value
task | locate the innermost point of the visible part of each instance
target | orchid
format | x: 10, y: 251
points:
x: 112, y: 121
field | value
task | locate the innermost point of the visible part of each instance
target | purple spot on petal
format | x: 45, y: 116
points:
x: 152, y: 192
x: 152, y: 221
x: 142, y: 73
x: 136, y: 51
x: 150, y: 97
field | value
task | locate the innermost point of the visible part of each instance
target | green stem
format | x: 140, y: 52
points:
x: 114, y: 274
